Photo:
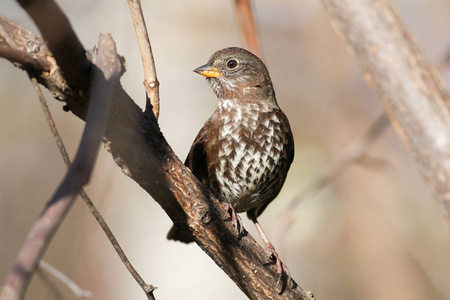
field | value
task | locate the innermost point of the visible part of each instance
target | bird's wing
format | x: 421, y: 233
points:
x: 197, y: 157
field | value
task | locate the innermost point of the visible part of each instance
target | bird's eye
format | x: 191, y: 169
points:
x: 232, y: 64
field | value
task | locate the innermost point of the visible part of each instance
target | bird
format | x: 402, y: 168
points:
x: 245, y: 149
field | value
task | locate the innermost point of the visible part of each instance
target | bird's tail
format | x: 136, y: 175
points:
x: 177, y: 234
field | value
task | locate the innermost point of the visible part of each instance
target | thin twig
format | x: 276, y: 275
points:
x: 147, y: 288
x: 352, y: 153
x: 151, y: 82
x: 247, y: 26
x: 51, y: 123
x: 54, y: 289
x: 64, y: 279
x: 56, y: 209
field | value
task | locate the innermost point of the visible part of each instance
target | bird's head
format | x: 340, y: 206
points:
x: 237, y: 73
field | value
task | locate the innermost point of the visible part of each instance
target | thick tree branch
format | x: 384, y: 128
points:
x: 407, y: 85
x: 138, y: 147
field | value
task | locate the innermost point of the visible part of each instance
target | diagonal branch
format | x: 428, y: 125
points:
x: 409, y: 88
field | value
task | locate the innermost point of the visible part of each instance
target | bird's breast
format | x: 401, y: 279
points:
x: 251, y: 148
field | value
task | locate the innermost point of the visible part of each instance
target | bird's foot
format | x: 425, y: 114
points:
x: 235, y: 218
x: 282, y: 269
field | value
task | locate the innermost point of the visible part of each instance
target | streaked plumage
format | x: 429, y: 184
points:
x: 244, y: 150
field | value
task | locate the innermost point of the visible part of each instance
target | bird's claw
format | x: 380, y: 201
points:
x: 235, y: 219
x: 282, y: 269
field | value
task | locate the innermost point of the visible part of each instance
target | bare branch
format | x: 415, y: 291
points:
x: 151, y: 82
x: 22, y: 56
x: 25, y: 60
x: 247, y: 26
x: 353, y: 153
x: 78, y: 175
x: 407, y: 85
x: 18, y: 38
x: 51, y: 123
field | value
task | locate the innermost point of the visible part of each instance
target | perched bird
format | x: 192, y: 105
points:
x: 244, y: 150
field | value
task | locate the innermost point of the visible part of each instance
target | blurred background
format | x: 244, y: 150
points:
x: 374, y: 233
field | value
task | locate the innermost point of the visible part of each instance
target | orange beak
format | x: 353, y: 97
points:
x: 208, y: 71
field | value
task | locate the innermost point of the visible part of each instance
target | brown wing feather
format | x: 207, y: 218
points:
x: 196, y: 160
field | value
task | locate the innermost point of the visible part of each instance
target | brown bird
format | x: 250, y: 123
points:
x: 244, y: 150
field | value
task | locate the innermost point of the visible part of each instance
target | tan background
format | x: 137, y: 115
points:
x: 375, y: 233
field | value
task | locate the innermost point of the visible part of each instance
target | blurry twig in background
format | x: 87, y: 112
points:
x: 356, y: 152
x: 410, y: 89
x: 44, y: 266
x: 151, y: 83
x: 445, y: 61
x: 78, y: 174
x: 353, y: 153
x: 51, y: 284
x: 247, y: 27
x: 148, y: 289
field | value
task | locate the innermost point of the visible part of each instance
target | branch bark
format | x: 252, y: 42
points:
x: 408, y: 86
x: 139, y: 148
